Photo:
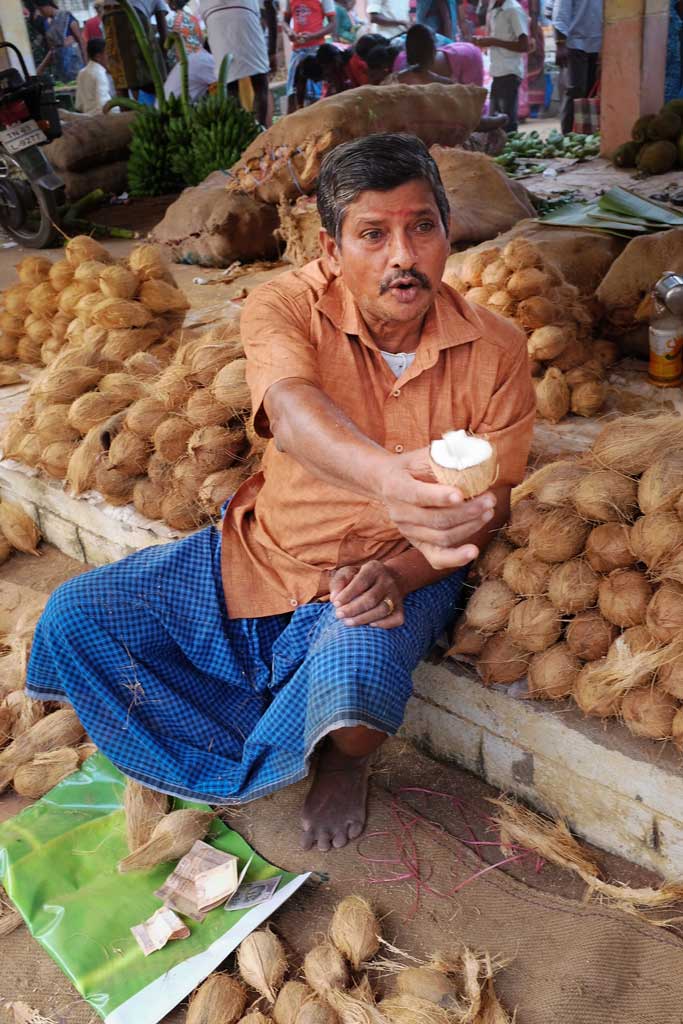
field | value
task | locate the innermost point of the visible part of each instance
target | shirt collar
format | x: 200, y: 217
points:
x: 449, y: 322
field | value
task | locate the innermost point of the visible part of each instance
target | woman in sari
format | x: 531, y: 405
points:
x: 66, y: 47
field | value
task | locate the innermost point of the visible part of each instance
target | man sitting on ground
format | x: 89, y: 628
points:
x: 223, y: 666
x: 94, y: 87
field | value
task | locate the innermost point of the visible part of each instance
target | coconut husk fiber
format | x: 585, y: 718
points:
x: 582, y: 257
x: 300, y: 230
x: 283, y: 162
x: 209, y: 227
x: 91, y: 141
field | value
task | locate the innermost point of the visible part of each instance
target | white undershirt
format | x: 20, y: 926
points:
x: 398, y: 362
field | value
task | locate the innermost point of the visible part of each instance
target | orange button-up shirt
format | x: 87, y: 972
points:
x: 285, y: 529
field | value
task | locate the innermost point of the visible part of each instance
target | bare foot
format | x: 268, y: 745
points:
x: 334, y: 811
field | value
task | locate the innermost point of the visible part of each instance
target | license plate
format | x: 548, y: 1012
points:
x: 21, y: 136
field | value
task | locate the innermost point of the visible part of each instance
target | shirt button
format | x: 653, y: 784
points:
x: 396, y: 393
x: 398, y: 449
x: 293, y: 602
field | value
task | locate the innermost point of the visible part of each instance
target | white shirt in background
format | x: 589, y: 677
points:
x: 508, y: 22
x: 201, y: 72
x: 94, y: 88
x: 395, y: 10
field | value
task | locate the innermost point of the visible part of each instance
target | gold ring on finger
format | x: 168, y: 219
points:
x: 390, y: 605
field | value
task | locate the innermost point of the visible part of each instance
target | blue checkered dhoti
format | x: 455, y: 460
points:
x: 195, y: 704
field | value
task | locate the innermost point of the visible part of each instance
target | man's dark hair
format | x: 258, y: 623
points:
x: 327, y: 55
x: 308, y: 70
x: 366, y: 43
x: 95, y: 47
x: 376, y: 163
x: 420, y: 46
x: 382, y: 56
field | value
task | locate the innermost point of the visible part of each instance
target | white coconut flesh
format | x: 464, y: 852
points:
x: 459, y: 450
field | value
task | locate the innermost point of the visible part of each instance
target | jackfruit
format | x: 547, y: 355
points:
x: 666, y: 125
x: 639, y: 130
x: 675, y: 105
x: 625, y: 155
x: 657, y: 157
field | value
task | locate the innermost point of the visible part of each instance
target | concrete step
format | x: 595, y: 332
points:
x: 621, y: 793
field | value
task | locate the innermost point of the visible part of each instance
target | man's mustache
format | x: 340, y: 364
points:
x: 401, y: 275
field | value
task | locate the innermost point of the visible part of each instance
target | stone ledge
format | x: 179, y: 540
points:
x: 619, y: 792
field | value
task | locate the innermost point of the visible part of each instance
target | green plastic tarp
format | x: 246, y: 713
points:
x: 58, y: 864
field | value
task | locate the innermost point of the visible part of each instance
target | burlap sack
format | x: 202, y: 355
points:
x: 483, y: 200
x: 109, y: 177
x: 210, y: 227
x: 583, y: 257
x: 90, y: 141
x: 632, y: 276
x: 283, y: 162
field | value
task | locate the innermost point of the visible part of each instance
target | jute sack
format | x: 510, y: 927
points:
x: 283, y: 162
x: 109, y: 177
x: 91, y: 141
x: 632, y: 276
x: 210, y: 227
x: 483, y: 200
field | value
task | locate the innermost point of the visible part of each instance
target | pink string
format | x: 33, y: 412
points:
x: 407, y: 861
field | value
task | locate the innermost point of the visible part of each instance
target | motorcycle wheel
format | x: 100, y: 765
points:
x: 30, y: 215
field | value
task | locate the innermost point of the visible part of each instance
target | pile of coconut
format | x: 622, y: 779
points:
x: 582, y: 592
x: 334, y: 985
x: 40, y: 743
x: 568, y: 367
x: 131, y: 406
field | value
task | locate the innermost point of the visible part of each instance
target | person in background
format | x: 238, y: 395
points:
x: 536, y: 58
x: 461, y: 63
x: 66, y: 54
x: 93, y: 27
x: 508, y: 39
x: 124, y: 57
x: 345, y: 26
x: 308, y: 22
x: 269, y: 10
x: 201, y: 72
x: 94, y: 87
x: 36, y: 34
x: 234, y: 28
x: 380, y: 61
x: 578, y: 32
x: 389, y: 17
x: 187, y: 27
x: 341, y: 69
x: 445, y: 17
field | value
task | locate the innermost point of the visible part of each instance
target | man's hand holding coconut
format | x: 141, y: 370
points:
x: 287, y: 640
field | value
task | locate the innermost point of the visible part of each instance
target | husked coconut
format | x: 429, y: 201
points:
x: 609, y: 547
x: 534, y: 624
x: 589, y: 635
x: 552, y: 395
x: 623, y: 597
x: 661, y: 485
x: 501, y: 661
x: 649, y: 712
x: 557, y: 536
x: 573, y: 586
x: 489, y: 607
x: 553, y: 673
x: 526, y: 575
x: 605, y: 496
x: 664, y: 615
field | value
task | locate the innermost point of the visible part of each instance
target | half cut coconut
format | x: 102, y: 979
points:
x: 464, y: 461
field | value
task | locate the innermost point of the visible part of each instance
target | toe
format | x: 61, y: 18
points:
x: 355, y: 828
x: 324, y: 841
x: 308, y: 839
x: 340, y: 838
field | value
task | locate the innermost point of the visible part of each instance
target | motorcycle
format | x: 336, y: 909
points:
x: 31, y: 193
